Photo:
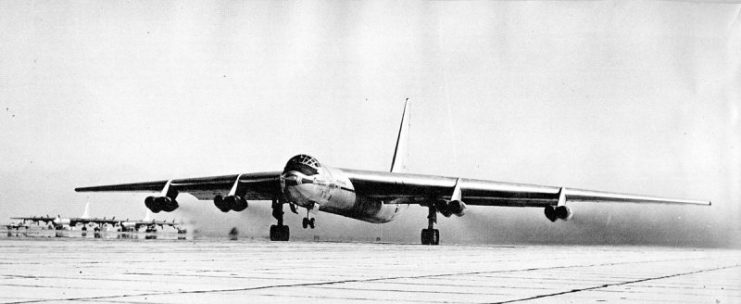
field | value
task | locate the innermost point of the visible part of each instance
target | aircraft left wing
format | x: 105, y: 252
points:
x: 250, y: 186
x: 419, y: 188
x: 35, y: 219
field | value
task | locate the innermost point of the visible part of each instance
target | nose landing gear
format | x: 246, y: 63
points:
x: 308, y: 220
x: 431, y: 236
x: 279, y: 232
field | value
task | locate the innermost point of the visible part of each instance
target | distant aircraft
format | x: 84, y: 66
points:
x: 150, y: 224
x: 371, y: 196
x: 60, y: 223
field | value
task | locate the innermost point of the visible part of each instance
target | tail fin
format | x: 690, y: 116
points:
x: 148, y: 215
x: 87, y: 211
x: 397, y: 163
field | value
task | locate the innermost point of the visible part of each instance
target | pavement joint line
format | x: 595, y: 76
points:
x: 309, y: 284
x: 615, y: 284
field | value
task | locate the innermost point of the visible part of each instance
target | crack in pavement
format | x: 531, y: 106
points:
x: 615, y: 284
x: 308, y: 284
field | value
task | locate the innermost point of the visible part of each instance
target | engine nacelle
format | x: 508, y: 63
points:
x: 161, y: 203
x: 563, y: 213
x: 448, y: 208
x: 443, y: 207
x: 236, y: 202
x: 558, y: 213
x: 231, y: 202
x: 457, y: 208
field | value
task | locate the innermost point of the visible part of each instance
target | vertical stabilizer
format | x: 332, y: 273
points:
x: 87, y: 211
x: 148, y: 215
x: 400, y: 150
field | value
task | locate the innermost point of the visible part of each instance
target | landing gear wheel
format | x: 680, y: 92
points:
x: 430, y: 237
x: 305, y: 223
x: 279, y: 233
x: 311, y: 223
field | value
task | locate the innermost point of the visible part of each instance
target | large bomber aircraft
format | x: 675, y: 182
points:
x: 371, y: 196
x: 60, y: 223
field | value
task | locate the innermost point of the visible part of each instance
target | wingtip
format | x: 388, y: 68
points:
x: 710, y: 203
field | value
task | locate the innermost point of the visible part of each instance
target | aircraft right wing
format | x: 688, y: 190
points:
x: 416, y: 187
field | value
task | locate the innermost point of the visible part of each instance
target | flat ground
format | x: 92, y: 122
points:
x: 73, y: 270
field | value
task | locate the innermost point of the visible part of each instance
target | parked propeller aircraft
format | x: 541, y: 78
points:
x: 60, y: 223
x: 149, y: 224
x: 97, y: 224
x: 371, y: 196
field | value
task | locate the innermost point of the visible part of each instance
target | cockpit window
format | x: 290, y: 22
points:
x: 303, y: 163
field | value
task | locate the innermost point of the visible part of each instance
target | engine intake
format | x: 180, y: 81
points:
x: 448, y: 208
x: 558, y: 213
x: 457, y: 208
x: 161, y: 203
x: 231, y: 202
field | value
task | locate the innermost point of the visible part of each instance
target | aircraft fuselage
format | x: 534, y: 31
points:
x: 330, y: 190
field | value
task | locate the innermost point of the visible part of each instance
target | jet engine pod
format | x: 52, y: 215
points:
x: 443, y: 207
x: 160, y: 203
x: 550, y: 213
x: 149, y: 202
x: 457, y: 207
x: 235, y: 202
x: 563, y: 213
x: 221, y: 204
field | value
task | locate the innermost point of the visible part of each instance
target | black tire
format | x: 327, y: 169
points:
x: 285, y: 233
x: 273, y: 233
x: 435, y: 237
x: 312, y: 223
x: 425, y: 237
x: 305, y: 223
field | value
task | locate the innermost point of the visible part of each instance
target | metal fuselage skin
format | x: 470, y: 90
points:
x: 332, y: 191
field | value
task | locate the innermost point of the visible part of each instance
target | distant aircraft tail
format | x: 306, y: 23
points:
x: 148, y: 215
x: 400, y: 150
x: 87, y: 211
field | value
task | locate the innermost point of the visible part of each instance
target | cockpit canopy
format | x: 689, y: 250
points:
x: 303, y: 163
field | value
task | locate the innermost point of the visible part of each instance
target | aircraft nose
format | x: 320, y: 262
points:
x: 293, y: 178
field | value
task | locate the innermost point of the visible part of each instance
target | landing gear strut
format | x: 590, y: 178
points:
x: 279, y: 232
x: 431, y: 236
x: 308, y: 220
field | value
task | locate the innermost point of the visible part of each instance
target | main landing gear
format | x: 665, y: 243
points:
x: 279, y: 232
x: 431, y: 236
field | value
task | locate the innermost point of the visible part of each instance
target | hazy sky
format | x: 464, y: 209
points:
x: 628, y: 96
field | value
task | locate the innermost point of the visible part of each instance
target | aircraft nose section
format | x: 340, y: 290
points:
x: 303, y: 163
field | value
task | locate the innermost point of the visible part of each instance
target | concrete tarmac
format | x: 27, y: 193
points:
x: 69, y: 270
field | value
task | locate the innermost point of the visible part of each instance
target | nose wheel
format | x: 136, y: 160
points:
x: 308, y: 223
x: 279, y: 232
x: 431, y: 236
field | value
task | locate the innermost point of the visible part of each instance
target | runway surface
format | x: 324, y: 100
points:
x: 69, y: 270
